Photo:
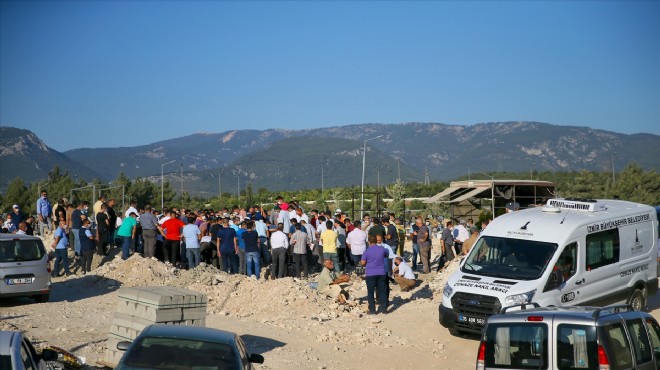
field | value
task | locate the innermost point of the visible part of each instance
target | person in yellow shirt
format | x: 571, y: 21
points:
x: 329, y: 240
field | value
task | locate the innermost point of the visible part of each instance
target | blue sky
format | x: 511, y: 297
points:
x: 125, y: 73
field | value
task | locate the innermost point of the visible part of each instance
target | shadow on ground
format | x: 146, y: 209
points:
x: 257, y: 344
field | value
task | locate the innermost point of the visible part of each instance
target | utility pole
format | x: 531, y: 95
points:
x: 219, y: 186
x: 613, y: 173
x: 322, y: 189
x: 398, y: 163
x: 181, y: 167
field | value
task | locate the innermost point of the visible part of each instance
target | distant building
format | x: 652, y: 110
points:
x: 469, y: 198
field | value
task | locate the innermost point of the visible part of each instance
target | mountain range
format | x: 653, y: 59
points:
x: 294, y: 159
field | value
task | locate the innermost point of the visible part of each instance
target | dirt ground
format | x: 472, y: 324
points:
x: 284, y: 320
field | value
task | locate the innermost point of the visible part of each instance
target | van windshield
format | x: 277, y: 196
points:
x: 509, y: 258
x: 21, y: 250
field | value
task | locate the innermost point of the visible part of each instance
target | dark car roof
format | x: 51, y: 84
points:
x: 6, y: 339
x: 10, y: 236
x: 188, y: 332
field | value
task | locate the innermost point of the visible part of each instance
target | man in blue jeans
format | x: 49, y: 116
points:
x: 252, y: 250
x: 227, y: 243
x: 373, y: 261
x: 60, y: 244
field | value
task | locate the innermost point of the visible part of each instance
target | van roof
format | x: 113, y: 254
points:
x: 550, y: 223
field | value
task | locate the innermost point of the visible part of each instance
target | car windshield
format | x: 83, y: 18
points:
x: 21, y: 250
x: 183, y: 354
x: 509, y: 258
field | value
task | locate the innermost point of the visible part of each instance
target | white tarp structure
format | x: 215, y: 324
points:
x: 469, y: 198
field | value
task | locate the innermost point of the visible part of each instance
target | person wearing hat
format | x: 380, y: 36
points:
x: 339, y: 215
x: 16, y: 214
x: 512, y: 207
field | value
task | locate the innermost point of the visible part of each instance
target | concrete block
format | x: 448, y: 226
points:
x: 154, y: 297
x: 124, y: 331
x: 133, y: 322
x: 112, y: 357
x: 194, y: 313
x: 162, y: 297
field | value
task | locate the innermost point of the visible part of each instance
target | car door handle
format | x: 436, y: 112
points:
x: 579, y: 282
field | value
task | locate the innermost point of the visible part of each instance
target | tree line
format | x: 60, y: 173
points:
x: 632, y: 183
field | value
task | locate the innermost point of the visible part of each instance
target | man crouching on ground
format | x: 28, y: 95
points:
x: 328, y: 282
x: 403, y: 274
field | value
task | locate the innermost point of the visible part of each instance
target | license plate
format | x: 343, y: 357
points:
x: 472, y: 320
x: 17, y: 281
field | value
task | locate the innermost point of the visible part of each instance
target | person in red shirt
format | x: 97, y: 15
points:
x: 171, y: 231
x: 284, y: 206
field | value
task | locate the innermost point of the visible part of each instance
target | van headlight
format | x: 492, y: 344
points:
x: 447, y: 290
x: 518, y: 299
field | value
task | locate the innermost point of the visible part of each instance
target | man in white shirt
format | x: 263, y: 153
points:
x: 279, y: 243
x: 22, y: 229
x: 301, y: 216
x: 461, y: 234
x: 403, y: 274
x: 132, y: 209
x: 284, y: 218
x: 356, y: 240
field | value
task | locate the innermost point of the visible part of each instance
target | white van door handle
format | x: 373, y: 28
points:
x: 579, y: 282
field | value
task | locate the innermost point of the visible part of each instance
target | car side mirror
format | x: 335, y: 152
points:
x: 123, y: 345
x: 256, y: 358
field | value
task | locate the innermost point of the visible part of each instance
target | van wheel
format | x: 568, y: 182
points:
x: 637, y: 300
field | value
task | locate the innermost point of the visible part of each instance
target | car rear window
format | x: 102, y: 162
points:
x: 517, y: 346
x: 177, y: 353
x: 21, y: 250
x: 577, y: 347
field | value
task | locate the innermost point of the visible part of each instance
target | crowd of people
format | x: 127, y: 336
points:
x: 286, y: 238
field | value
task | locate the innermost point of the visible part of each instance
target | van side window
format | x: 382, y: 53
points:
x: 618, y: 347
x: 566, y: 262
x: 577, y: 347
x: 640, y: 341
x: 602, y: 249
